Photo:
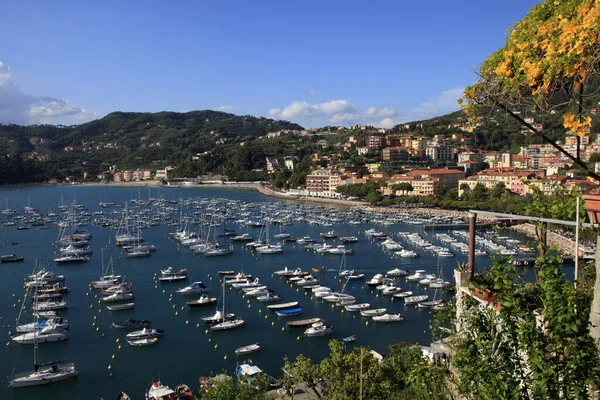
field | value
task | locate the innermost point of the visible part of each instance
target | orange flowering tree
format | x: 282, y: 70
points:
x: 546, y: 64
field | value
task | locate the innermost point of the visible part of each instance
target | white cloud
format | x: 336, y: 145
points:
x: 313, y: 92
x: 446, y: 102
x: 17, y: 107
x: 334, y: 110
x: 224, y: 108
x: 387, y: 123
x: 346, y: 117
x: 386, y: 112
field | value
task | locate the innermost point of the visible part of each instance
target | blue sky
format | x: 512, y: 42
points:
x: 316, y: 63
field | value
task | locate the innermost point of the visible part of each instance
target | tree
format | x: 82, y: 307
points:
x: 301, y: 371
x: 404, y: 187
x: 549, y: 59
x: 466, y: 191
x: 373, y: 197
x: 479, y: 193
x: 227, y: 388
x: 498, y: 191
x: 440, y: 189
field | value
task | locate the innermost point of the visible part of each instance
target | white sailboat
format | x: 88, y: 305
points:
x: 44, y: 373
x: 269, y: 248
x: 225, y: 323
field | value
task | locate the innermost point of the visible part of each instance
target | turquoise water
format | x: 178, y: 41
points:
x: 186, y: 352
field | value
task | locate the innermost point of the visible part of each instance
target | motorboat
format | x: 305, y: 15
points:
x: 56, y: 321
x: 357, y: 307
x: 170, y: 271
x: 143, y: 342
x: 328, y: 235
x: 132, y: 323
x: 45, y: 374
x: 194, y: 288
x: 349, y: 239
x: 49, y: 305
x: 406, y: 254
x: 388, y: 318
x: 346, y: 272
x: 8, y: 258
x: 341, y: 249
x: 251, y: 348
x: 318, y: 329
x: 417, y: 276
x: 308, y: 280
x: 259, y: 291
x: 246, y: 284
x: 244, y: 237
x: 172, y: 278
x: 373, y: 313
x: 390, y: 290
x: 376, y: 280
x: 204, y: 300
x: 145, y: 333
x: 47, y: 334
x: 117, y: 296
x: 72, y: 258
x: 158, y: 391
x: 397, y: 272
x: 269, y: 297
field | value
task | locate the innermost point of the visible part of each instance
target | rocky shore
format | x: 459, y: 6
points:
x: 563, y: 244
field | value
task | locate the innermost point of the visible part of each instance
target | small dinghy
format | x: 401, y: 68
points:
x: 247, y: 349
x: 120, y: 307
x: 143, y: 342
x: 302, y: 323
x: 283, y: 305
x: 289, y: 312
x: 349, y: 339
x: 373, y: 313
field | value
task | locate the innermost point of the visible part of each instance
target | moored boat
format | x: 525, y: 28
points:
x: 251, y: 348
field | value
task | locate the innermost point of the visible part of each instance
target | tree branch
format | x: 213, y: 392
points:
x: 549, y: 141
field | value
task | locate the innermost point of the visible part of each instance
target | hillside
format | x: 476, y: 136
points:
x: 127, y: 139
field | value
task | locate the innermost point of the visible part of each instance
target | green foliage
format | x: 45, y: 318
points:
x: 537, y: 347
x: 229, y: 388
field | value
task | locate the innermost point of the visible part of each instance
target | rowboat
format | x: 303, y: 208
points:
x: 251, y: 348
x: 349, y: 339
x: 120, y: 307
x: 303, y: 322
x: 289, y: 312
x: 283, y: 306
x: 373, y: 313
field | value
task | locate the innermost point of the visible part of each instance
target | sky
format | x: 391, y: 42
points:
x: 313, y: 62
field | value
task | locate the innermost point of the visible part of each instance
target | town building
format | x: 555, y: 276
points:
x: 323, y: 183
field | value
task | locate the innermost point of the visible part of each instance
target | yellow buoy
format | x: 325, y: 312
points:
x: 342, y: 310
x: 114, y: 357
x: 206, y: 331
x: 198, y: 325
x: 109, y: 367
x: 94, y: 317
x: 97, y: 329
x: 93, y: 324
x: 182, y: 307
x: 99, y: 310
x: 282, y: 328
x: 117, y: 340
x: 225, y: 357
x: 260, y: 311
x: 249, y: 306
x: 367, y: 323
x: 298, y: 338
x: 120, y: 348
x: 173, y: 304
x: 266, y: 317
x: 273, y: 323
x: 7, y: 344
x: 110, y: 374
x: 176, y: 313
x: 216, y: 346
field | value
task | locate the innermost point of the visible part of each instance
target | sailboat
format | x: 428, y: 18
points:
x: 225, y: 322
x: 44, y: 373
x: 138, y: 250
x: 339, y: 297
x: 269, y: 248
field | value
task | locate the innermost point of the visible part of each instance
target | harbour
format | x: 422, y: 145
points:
x: 188, y: 349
